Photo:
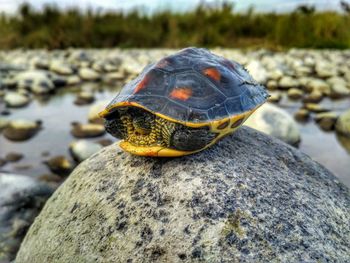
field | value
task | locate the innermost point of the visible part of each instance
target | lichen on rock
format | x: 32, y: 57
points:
x: 249, y: 198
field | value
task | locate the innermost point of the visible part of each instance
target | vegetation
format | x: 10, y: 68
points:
x: 205, y: 26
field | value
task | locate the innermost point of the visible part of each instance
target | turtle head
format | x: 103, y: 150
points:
x: 144, y: 133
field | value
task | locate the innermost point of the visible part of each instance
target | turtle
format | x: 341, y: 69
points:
x: 182, y: 104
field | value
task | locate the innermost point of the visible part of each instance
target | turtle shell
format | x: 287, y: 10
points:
x: 193, y: 85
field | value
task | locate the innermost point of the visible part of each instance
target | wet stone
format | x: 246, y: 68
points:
x: 36, y: 81
x: 13, y: 157
x: 50, y: 178
x: 319, y: 85
x: 302, y: 115
x: 60, y: 165
x: 314, y: 97
x: 326, y: 120
x: 287, y: 82
x: 272, y: 84
x: 84, y: 97
x: 275, y: 97
x: 73, y: 80
x: 105, y: 142
x: 89, y: 74
x: 313, y: 107
x: 2, y: 162
x: 95, y: 109
x: 3, y: 123
x: 87, y: 130
x: 60, y: 67
x: 343, y: 124
x: 82, y: 149
x: 295, y: 93
x: 21, y: 130
x: 16, y: 100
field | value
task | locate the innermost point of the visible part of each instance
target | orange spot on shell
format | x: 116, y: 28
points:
x: 181, y: 93
x: 142, y: 84
x: 213, y: 73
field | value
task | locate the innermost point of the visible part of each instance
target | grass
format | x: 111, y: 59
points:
x: 53, y: 28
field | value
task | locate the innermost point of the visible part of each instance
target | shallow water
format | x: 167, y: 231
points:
x: 57, y: 114
x: 59, y: 111
x: 327, y: 148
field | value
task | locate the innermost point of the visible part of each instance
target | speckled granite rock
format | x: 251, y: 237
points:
x: 250, y: 198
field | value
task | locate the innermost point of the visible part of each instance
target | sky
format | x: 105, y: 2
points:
x: 149, y: 6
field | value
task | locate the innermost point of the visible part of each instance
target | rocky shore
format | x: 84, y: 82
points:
x: 305, y: 77
x: 45, y: 138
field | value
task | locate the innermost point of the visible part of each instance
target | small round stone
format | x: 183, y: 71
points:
x: 326, y: 120
x: 343, y: 124
x: 60, y: 67
x: 87, y: 130
x: 89, y: 74
x: 13, y: 157
x: 313, y: 107
x: 84, y: 97
x: 295, y: 93
x: 16, y: 100
x: 275, y: 97
x: 319, y: 85
x: 302, y: 115
x: 20, y: 130
x: 314, y: 97
x: 287, y: 82
x: 95, y: 109
x: 60, y: 165
x: 82, y: 149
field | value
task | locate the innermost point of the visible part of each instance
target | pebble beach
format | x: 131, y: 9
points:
x: 49, y: 102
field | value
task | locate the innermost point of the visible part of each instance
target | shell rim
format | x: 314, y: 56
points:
x: 110, y: 108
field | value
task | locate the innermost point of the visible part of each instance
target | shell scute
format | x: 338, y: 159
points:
x: 203, y: 93
x: 194, y: 85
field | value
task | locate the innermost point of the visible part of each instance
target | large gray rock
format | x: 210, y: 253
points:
x: 21, y: 199
x: 250, y: 198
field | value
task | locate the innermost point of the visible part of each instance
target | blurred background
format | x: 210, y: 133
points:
x: 62, y: 61
x: 157, y: 23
